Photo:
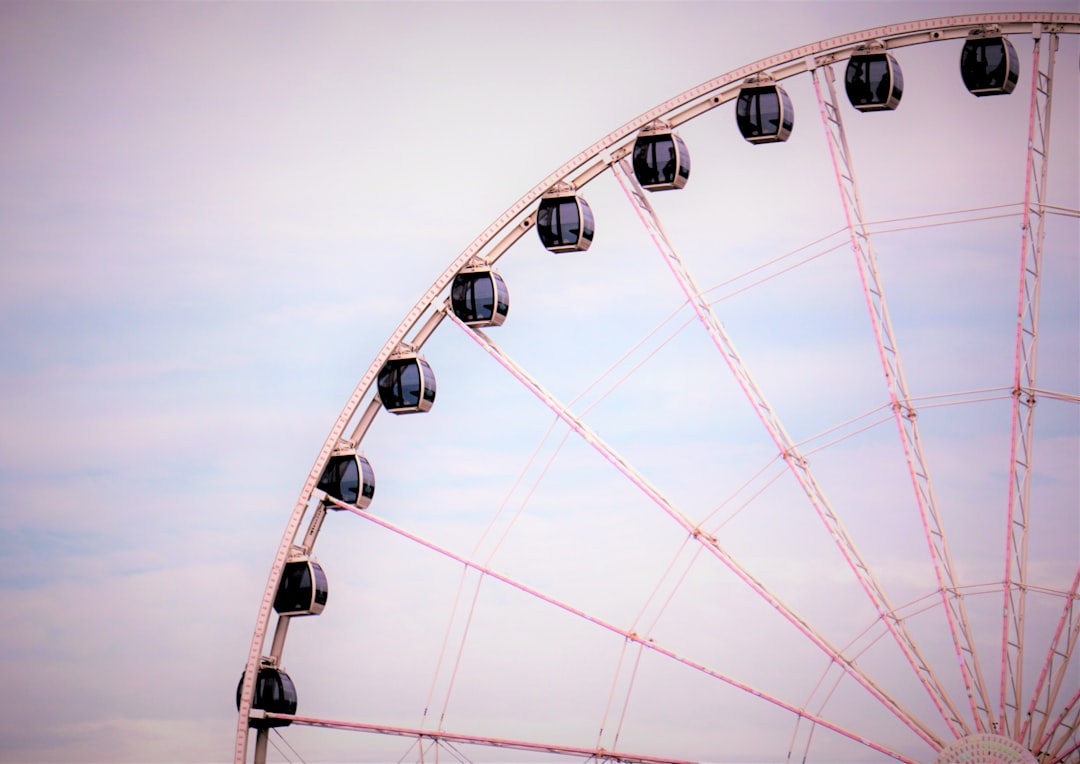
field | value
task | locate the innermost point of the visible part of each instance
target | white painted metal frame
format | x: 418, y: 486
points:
x: 517, y: 220
x: 630, y: 636
x: 789, y: 452
x: 905, y: 415
x: 713, y: 546
x: 1057, y: 663
x: 1024, y: 396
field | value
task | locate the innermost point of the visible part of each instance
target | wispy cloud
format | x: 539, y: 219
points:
x: 213, y: 216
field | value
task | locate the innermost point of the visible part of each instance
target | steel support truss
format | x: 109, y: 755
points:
x: 797, y: 463
x: 588, y: 165
x: 905, y: 415
x: 1023, y: 392
x: 598, y: 755
x: 1033, y: 731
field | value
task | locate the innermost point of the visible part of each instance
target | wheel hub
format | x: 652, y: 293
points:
x: 985, y: 748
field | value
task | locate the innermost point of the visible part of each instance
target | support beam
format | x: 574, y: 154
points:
x: 595, y: 754
x: 1057, y: 662
x: 1023, y: 410
x: 797, y: 463
x: 905, y: 415
x: 709, y: 542
x: 630, y: 636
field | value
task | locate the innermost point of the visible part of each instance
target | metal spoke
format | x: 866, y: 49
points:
x: 1060, y: 741
x: 905, y: 415
x: 1061, y: 650
x: 796, y: 461
x: 707, y: 540
x: 1023, y: 410
x: 630, y: 636
x: 598, y: 754
x: 1035, y: 714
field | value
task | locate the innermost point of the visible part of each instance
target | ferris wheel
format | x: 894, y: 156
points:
x: 734, y: 478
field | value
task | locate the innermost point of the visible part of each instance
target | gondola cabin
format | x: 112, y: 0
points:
x: 348, y: 477
x: 873, y: 81
x: 303, y: 589
x: 479, y: 297
x: 275, y: 693
x: 564, y: 222
x: 406, y: 385
x: 989, y: 65
x: 764, y: 113
x: 661, y: 161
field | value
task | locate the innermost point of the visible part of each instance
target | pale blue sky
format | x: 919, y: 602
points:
x: 212, y: 215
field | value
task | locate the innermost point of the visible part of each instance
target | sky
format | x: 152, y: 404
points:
x: 213, y: 215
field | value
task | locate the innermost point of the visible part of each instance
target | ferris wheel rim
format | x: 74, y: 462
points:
x: 511, y: 224
x: 780, y: 66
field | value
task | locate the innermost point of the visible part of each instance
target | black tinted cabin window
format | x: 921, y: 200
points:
x: 268, y: 693
x: 322, y: 590
x: 569, y: 224
x: 645, y: 162
x: 559, y: 223
x: 341, y: 478
x: 369, y: 480
x: 473, y: 297
x: 984, y: 64
x: 429, y: 383
x: 586, y: 221
x: 758, y: 111
x: 655, y: 159
x: 399, y: 384
x: 868, y: 80
x: 350, y: 480
x: 294, y: 592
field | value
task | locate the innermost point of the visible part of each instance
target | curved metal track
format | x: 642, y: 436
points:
x: 607, y: 153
